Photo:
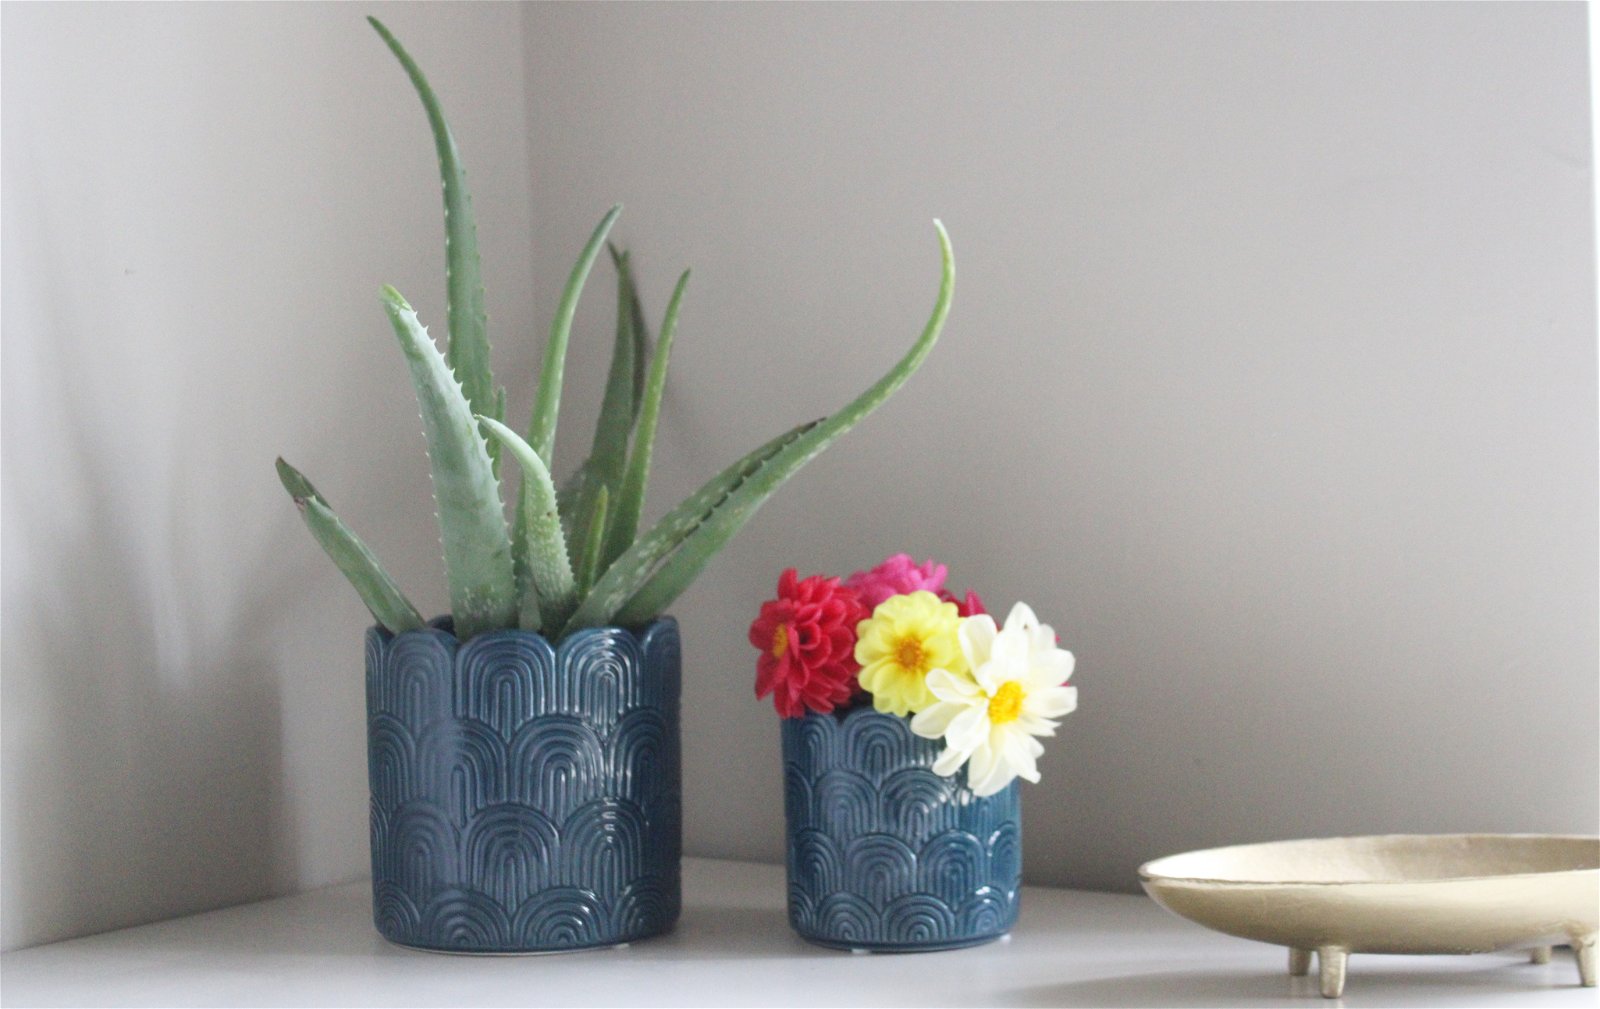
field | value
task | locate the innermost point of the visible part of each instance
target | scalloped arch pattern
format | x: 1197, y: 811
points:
x: 525, y: 798
x: 883, y: 854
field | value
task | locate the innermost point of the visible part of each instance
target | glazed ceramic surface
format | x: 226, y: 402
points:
x: 1393, y: 894
x: 885, y: 855
x: 525, y: 798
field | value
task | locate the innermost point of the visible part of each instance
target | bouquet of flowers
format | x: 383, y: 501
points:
x: 896, y: 638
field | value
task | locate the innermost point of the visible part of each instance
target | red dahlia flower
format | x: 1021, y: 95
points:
x: 807, y: 638
x: 968, y: 607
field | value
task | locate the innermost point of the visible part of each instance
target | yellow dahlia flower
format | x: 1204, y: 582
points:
x: 906, y: 638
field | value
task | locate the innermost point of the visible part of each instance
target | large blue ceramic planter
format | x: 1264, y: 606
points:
x: 884, y: 854
x: 525, y: 798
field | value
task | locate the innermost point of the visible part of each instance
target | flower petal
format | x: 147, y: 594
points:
x: 1010, y: 653
x: 1043, y: 636
x: 932, y: 722
x: 968, y: 729
x: 997, y: 778
x: 977, y: 638
x: 1052, y: 702
x: 1022, y: 616
x: 950, y: 761
x: 1050, y: 667
x: 948, y: 686
x: 1034, y: 725
x: 980, y: 766
x: 1017, y: 751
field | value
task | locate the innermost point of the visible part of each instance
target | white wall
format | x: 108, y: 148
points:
x: 201, y: 202
x: 1270, y: 380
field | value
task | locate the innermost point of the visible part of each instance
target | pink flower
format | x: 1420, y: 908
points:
x: 897, y: 576
x: 807, y: 638
x: 968, y: 607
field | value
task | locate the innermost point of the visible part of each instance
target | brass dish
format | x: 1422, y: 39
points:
x: 1402, y: 893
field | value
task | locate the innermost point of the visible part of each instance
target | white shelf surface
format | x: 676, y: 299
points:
x: 733, y: 946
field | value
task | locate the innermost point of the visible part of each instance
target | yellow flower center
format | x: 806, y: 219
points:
x: 1006, y: 704
x: 909, y: 655
x: 780, y: 641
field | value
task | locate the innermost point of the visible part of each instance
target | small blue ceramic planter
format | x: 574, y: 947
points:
x: 525, y: 798
x: 886, y: 855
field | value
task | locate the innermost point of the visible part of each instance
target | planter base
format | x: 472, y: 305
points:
x: 596, y: 948
x: 881, y: 947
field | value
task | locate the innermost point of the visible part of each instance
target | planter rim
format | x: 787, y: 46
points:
x: 443, y: 628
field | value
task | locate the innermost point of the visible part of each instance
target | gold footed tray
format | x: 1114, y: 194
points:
x: 1401, y: 893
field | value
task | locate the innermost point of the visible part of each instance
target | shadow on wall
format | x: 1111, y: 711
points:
x: 193, y: 246
x: 154, y: 755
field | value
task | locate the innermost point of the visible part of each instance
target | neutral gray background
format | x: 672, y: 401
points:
x: 1271, y: 382
x: 201, y: 203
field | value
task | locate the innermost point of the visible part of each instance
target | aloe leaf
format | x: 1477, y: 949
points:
x: 609, y: 455
x: 641, y: 345
x: 596, y: 525
x: 295, y: 482
x: 660, y: 587
x: 530, y: 615
x: 640, y: 328
x: 624, y: 524
x: 360, y: 566
x: 468, y: 349
x: 545, y: 581
x: 570, y: 496
x: 625, y: 574
x: 494, y: 447
x: 472, y: 525
x: 617, y: 408
x: 519, y: 543
x: 542, y: 429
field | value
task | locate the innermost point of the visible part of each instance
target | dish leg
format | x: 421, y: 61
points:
x: 1299, y: 962
x: 1331, y: 961
x: 1583, y: 949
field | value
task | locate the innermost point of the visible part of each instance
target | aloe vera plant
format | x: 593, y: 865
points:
x: 572, y: 558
